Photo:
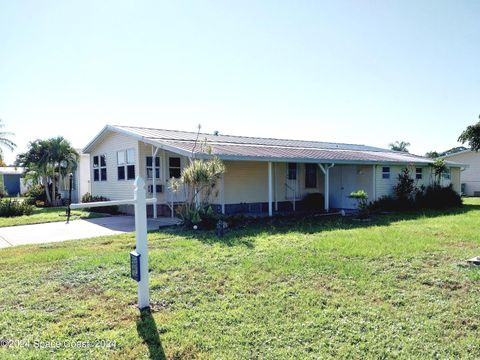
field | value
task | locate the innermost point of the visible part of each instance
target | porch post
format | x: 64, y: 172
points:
x: 326, y: 171
x: 275, y: 196
x: 270, y: 195
x: 223, y: 194
x: 327, y: 188
x: 154, y: 180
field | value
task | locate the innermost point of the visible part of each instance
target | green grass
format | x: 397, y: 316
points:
x: 331, y: 288
x: 46, y: 215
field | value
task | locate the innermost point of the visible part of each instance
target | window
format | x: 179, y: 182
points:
x: 150, y: 167
x: 126, y: 164
x: 292, y: 171
x: 310, y: 175
x: 385, y: 172
x: 446, y: 174
x: 174, y: 167
x: 99, y: 168
x: 418, y: 173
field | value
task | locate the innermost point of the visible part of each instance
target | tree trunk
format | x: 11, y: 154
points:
x: 54, y: 198
x: 47, y: 191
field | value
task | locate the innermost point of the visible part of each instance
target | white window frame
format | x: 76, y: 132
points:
x: 386, y: 174
x: 157, y: 167
x: 126, y: 164
x: 99, y: 167
x: 174, y: 167
x: 446, y: 175
x: 418, y: 174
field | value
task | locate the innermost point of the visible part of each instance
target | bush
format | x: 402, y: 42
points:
x: 36, y: 195
x: 88, y: 198
x: 362, y: 197
x: 405, y: 189
x: 11, y: 208
x: 313, y: 202
x: 204, y: 218
x: 438, y: 197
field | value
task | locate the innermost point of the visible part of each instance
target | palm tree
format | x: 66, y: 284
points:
x: 399, y: 146
x: 47, y: 160
x: 5, y: 141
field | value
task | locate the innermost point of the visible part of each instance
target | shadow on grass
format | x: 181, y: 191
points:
x: 245, y: 234
x: 147, y: 329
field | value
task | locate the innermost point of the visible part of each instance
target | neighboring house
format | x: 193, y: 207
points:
x: 80, y: 181
x: 470, y: 185
x: 262, y: 174
x: 11, y: 180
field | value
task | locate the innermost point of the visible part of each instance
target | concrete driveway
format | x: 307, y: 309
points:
x: 76, y: 229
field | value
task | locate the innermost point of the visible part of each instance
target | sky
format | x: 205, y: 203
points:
x: 366, y: 72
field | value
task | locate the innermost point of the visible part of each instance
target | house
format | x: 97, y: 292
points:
x: 11, y: 178
x: 80, y: 182
x: 470, y: 185
x: 262, y: 174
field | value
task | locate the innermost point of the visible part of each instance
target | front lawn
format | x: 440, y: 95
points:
x: 46, y: 215
x: 327, y: 288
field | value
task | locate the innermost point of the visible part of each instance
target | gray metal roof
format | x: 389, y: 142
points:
x: 267, y: 149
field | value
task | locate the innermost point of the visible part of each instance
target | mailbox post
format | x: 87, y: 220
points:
x: 141, y: 247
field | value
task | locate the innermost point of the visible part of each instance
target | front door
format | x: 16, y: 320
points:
x: 343, y: 181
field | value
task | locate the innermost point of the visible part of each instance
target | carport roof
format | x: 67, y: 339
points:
x: 228, y: 147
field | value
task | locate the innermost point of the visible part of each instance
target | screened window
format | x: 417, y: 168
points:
x: 174, y: 167
x: 99, y: 168
x: 149, y: 167
x: 126, y: 164
x: 418, y: 173
x: 385, y: 172
x: 310, y: 176
x: 292, y: 171
x: 446, y: 174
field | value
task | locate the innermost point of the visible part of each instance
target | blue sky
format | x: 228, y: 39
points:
x: 368, y: 72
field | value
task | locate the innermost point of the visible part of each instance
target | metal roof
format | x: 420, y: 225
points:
x: 228, y: 147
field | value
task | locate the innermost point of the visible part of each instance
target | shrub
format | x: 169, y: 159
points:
x: 438, y: 197
x: 405, y: 190
x: 36, y: 195
x: 313, y: 202
x: 11, y: 208
x: 205, y: 218
x: 88, y: 198
x: 362, y: 197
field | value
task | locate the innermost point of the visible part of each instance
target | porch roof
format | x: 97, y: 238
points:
x: 228, y: 147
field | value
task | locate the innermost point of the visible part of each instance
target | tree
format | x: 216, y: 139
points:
x: 46, y: 160
x: 5, y: 141
x: 432, y: 154
x: 435, y: 154
x: 399, y: 146
x: 200, y: 178
x: 471, y: 135
x: 439, y: 168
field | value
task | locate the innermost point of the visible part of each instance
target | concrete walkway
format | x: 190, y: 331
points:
x: 76, y: 229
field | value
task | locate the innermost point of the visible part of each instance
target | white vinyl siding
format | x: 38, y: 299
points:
x: 112, y: 188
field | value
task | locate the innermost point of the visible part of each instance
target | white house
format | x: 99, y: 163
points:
x: 262, y: 174
x: 470, y: 184
x: 81, y: 179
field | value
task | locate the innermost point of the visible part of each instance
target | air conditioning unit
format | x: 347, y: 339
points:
x: 159, y: 188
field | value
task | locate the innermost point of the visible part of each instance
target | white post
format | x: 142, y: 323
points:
x: 141, y: 241
x: 327, y: 188
x: 223, y: 194
x: 275, y: 185
x: 374, y: 183
x: 270, y: 211
x: 154, y: 180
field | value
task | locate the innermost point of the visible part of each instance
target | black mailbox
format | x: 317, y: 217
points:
x: 135, y: 265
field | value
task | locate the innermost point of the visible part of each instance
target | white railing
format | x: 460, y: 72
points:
x: 140, y: 202
x: 288, y: 187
